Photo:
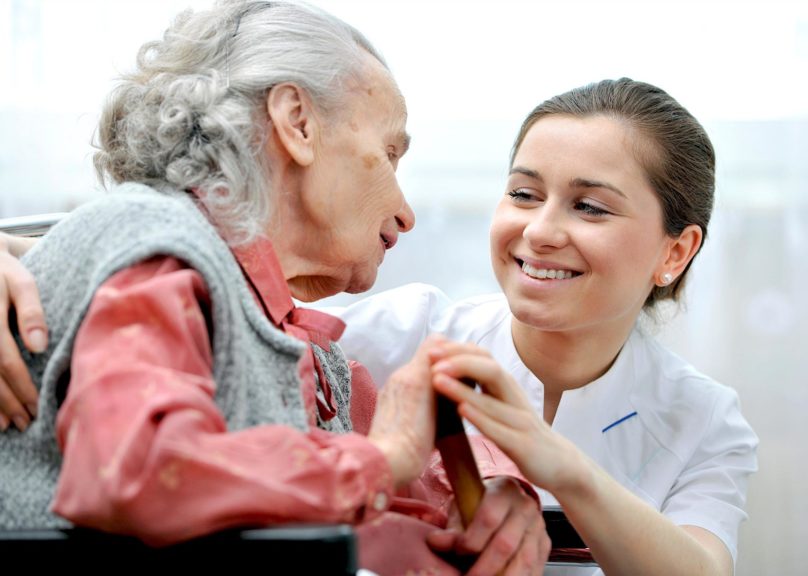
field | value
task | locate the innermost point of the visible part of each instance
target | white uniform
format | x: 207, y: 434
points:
x: 668, y: 433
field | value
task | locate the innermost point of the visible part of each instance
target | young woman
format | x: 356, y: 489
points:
x: 607, y: 203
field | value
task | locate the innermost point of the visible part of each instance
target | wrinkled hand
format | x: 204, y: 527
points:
x: 18, y: 291
x: 404, y: 424
x: 507, y: 532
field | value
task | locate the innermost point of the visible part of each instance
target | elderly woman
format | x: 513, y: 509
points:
x: 254, y: 153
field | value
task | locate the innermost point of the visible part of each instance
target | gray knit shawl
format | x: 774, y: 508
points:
x: 254, y: 363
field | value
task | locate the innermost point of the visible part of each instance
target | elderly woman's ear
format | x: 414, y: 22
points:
x: 294, y: 122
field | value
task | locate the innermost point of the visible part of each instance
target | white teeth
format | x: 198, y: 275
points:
x: 545, y: 273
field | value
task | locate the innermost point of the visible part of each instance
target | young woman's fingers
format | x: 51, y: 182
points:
x: 502, y: 431
x: 18, y: 396
x: 459, y: 393
x: 11, y: 409
x: 20, y: 292
x: 486, y: 372
x: 445, y: 348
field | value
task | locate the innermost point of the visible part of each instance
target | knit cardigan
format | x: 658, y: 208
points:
x: 254, y: 363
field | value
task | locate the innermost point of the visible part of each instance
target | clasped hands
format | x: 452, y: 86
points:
x: 507, y: 533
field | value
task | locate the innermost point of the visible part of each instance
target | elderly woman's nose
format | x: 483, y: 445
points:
x: 405, y: 218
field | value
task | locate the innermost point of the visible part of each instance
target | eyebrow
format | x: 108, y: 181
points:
x: 575, y: 183
x: 586, y: 183
x: 527, y: 172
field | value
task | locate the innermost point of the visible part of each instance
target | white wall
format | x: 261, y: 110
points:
x: 470, y: 72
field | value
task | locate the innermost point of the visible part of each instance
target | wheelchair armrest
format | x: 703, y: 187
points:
x: 568, y: 547
x: 291, y: 549
x: 32, y: 226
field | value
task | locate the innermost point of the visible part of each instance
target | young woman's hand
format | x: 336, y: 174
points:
x: 504, y: 414
x: 605, y: 514
x: 18, y: 294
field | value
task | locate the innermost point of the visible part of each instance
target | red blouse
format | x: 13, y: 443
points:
x: 147, y: 451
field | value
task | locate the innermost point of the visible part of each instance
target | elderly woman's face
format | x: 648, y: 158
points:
x: 361, y: 209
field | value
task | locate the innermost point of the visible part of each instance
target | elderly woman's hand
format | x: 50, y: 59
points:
x: 18, y: 291
x: 507, y: 533
x: 404, y: 424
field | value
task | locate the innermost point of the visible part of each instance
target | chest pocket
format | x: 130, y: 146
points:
x: 639, y: 461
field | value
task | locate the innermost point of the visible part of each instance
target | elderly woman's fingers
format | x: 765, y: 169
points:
x: 505, y: 531
x: 518, y: 546
x: 533, y: 552
x: 404, y: 424
x: 444, y: 540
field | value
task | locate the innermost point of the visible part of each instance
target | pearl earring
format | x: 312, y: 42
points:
x: 667, y: 278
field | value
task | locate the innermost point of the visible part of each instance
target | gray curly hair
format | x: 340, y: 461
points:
x: 191, y: 115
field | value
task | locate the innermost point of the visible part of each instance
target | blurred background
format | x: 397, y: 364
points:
x: 470, y: 72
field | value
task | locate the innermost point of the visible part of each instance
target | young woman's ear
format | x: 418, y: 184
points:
x: 294, y: 120
x: 680, y: 252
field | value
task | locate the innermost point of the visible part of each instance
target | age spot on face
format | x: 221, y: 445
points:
x: 370, y: 160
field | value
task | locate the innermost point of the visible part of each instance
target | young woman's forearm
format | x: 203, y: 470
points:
x: 628, y: 537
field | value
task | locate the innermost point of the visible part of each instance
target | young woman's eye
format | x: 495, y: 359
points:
x: 590, y: 209
x: 522, y: 195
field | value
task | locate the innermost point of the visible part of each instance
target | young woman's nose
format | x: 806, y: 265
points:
x: 547, y: 227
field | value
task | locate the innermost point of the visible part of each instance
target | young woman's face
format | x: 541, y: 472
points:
x: 577, y: 240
